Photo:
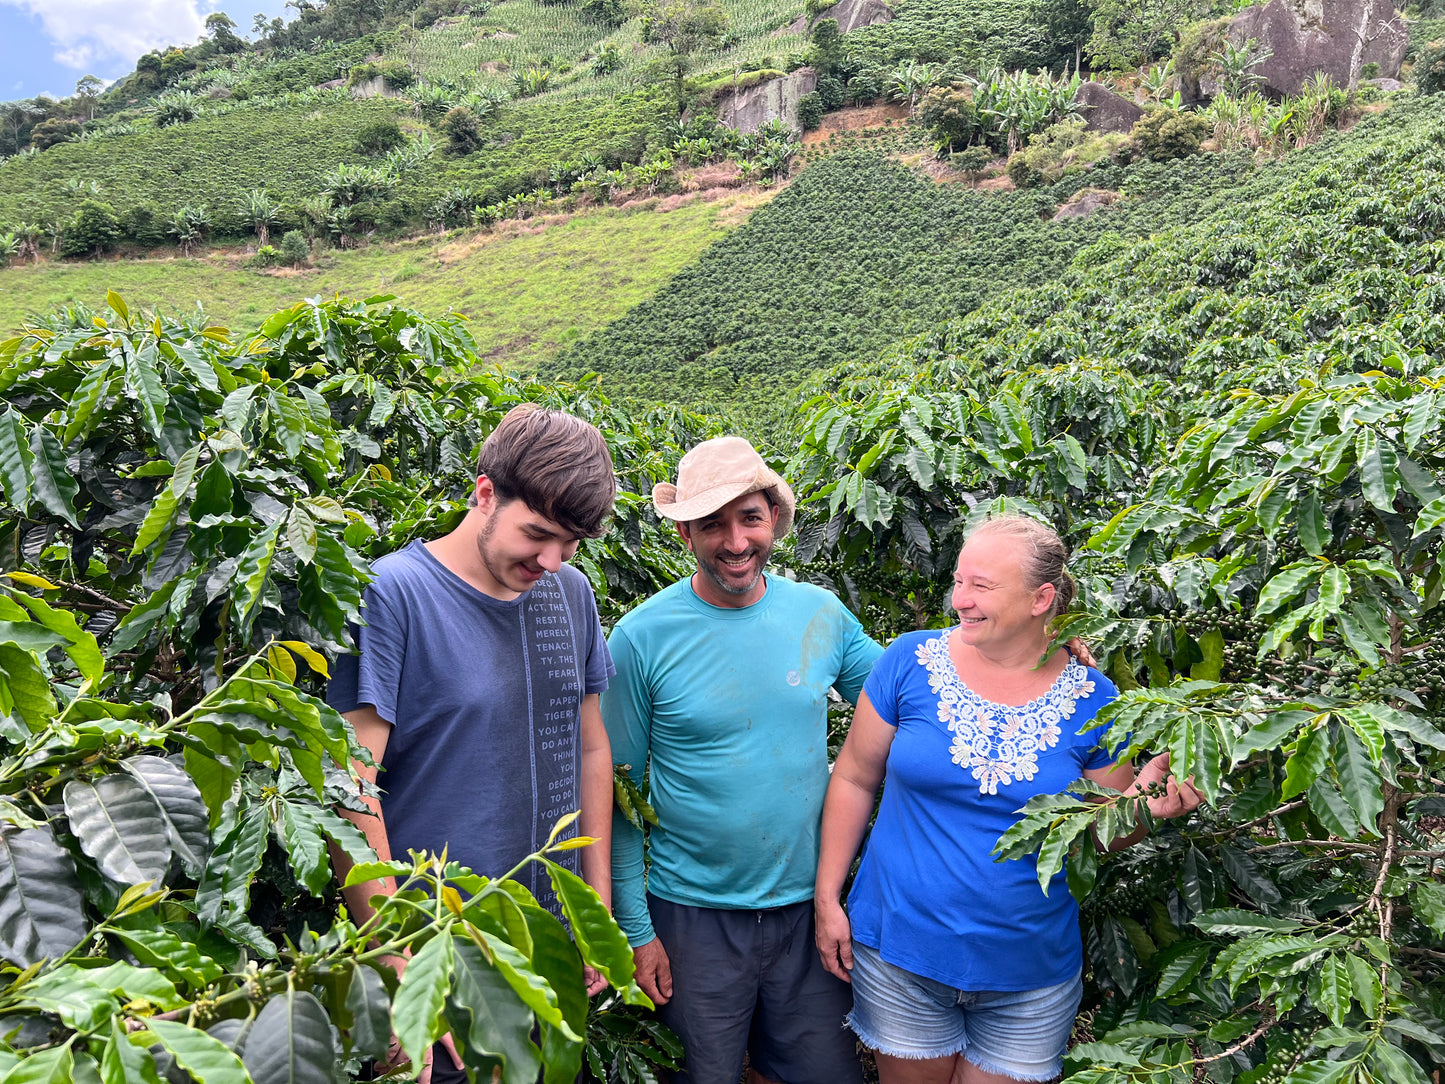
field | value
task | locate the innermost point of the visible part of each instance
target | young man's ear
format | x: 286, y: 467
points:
x: 485, y: 494
x: 684, y: 534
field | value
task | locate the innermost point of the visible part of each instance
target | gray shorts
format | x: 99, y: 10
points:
x: 751, y: 982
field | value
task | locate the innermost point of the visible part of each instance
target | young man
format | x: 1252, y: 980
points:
x: 476, y: 688
x: 722, y: 684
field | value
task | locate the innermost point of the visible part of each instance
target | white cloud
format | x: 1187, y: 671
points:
x: 87, y: 31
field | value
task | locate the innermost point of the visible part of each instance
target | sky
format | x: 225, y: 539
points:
x: 46, y: 45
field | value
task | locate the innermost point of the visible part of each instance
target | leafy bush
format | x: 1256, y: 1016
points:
x: 1166, y: 134
x: 378, y: 137
x: 93, y: 229
x: 948, y: 114
x: 295, y: 249
x: 266, y: 256
x: 971, y: 160
x: 462, y: 130
x: 810, y: 111
x: 144, y: 225
x: 1020, y: 172
x: 1430, y: 70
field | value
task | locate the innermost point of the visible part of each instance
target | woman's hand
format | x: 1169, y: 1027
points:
x: 1178, y: 798
x: 834, y: 936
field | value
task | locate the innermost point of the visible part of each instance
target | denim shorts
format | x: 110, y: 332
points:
x: 1020, y: 1033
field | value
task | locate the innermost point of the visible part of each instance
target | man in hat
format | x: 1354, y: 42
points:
x: 722, y: 685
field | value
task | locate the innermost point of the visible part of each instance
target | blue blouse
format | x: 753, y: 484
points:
x: 929, y: 895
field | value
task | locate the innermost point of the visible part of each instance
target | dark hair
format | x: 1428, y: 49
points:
x: 557, y: 465
x: 1044, y: 556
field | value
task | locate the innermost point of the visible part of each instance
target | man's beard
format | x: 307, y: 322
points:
x: 713, y: 570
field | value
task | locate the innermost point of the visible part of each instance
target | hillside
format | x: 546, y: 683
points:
x: 856, y: 253
x: 528, y: 288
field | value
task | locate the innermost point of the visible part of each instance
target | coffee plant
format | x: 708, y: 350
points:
x: 188, y: 526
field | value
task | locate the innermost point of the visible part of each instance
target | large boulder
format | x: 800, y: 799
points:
x: 851, y: 14
x: 1105, y: 111
x: 752, y: 107
x: 1336, y: 37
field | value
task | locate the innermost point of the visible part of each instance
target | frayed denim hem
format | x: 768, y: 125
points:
x: 949, y: 1051
x: 1013, y: 1074
x: 898, y: 1052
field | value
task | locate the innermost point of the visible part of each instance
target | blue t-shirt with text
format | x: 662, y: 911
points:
x: 483, y: 696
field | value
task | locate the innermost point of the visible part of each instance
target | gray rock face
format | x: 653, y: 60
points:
x: 1085, y: 203
x: 1105, y: 111
x: 851, y: 14
x: 750, y: 109
x: 1336, y: 37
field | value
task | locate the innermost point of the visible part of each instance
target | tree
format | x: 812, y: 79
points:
x: 87, y: 89
x: 261, y: 212
x: 17, y: 117
x: 93, y: 229
x: 1131, y: 33
x: 1068, y: 23
x: 683, y: 27
x: 54, y: 130
x: 222, y: 29
x: 827, y: 49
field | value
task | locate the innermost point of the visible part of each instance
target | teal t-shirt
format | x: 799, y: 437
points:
x: 730, y: 705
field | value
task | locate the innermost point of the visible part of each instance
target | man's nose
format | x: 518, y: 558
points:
x: 551, y: 557
x: 737, y: 538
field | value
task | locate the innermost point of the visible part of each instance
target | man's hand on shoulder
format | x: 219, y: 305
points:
x: 654, y: 972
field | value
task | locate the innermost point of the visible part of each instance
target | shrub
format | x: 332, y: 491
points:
x: 1020, y: 172
x: 462, y: 129
x: 379, y: 136
x: 971, y: 161
x: 604, y: 12
x: 93, y: 229
x: 810, y: 111
x: 949, y: 116
x: 1166, y: 134
x: 1370, y: 71
x: 142, y: 224
x: 1430, y: 70
x: 832, y: 92
x: 295, y: 250
x: 48, y: 133
x: 266, y: 256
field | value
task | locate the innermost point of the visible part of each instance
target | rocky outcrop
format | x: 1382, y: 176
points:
x: 1105, y: 111
x: 1336, y: 37
x: 1085, y: 203
x: 851, y: 14
x: 749, y: 109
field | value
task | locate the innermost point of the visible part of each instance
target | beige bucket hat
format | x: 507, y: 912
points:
x: 718, y: 471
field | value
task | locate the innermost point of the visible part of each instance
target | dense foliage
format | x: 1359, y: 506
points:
x: 1238, y: 424
x: 188, y: 526
x: 857, y: 252
x: 288, y: 151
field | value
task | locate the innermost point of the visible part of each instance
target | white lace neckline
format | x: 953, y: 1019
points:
x: 999, y: 743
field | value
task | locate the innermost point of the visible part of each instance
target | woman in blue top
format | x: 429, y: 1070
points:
x: 963, y: 971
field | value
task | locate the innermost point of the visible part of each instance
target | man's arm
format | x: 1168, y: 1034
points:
x: 373, y: 732
x: 627, y: 713
x: 596, y: 819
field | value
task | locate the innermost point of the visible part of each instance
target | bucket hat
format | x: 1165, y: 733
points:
x: 718, y: 471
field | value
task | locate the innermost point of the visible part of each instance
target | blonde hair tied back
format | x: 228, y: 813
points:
x: 1043, y: 557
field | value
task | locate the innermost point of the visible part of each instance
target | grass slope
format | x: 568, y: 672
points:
x: 528, y: 293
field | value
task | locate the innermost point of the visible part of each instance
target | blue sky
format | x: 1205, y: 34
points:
x: 46, y: 45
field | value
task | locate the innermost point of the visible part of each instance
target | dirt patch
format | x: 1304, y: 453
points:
x: 996, y: 184
x: 716, y: 175
x: 290, y: 272
x: 855, y: 118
